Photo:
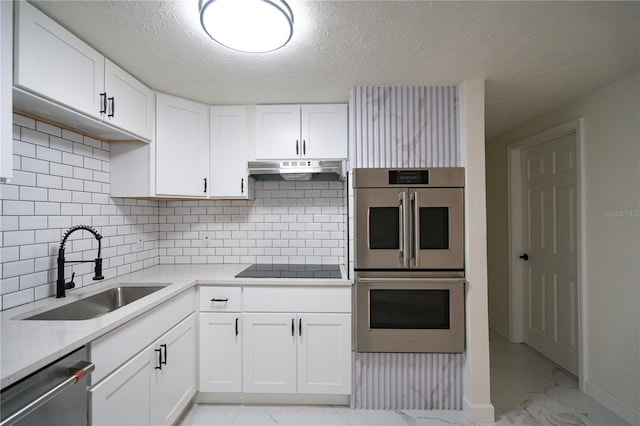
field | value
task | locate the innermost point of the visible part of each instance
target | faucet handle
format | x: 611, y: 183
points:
x: 70, y: 284
x: 98, y: 270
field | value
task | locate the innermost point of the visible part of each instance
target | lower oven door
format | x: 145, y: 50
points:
x: 407, y: 313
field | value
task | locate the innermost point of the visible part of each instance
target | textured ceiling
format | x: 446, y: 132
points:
x: 534, y: 56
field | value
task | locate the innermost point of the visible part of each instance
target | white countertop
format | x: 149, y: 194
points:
x: 27, y: 346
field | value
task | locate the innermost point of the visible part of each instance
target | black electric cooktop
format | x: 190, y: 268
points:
x: 284, y: 270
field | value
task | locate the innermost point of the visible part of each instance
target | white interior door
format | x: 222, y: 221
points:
x: 549, y: 201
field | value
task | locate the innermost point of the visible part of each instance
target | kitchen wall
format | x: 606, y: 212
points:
x: 61, y: 179
x: 288, y: 222
x: 610, y: 153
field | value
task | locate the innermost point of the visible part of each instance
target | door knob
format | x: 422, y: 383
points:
x: 524, y: 256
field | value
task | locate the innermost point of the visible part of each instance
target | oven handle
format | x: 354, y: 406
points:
x: 402, y: 199
x: 411, y: 280
x: 415, y: 225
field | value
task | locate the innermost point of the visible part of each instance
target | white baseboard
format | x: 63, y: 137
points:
x: 272, y: 398
x: 628, y: 414
x: 478, y: 413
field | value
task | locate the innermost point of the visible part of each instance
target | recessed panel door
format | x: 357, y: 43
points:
x: 550, y: 274
x: 269, y: 353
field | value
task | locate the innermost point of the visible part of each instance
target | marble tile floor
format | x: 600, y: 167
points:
x: 526, y: 389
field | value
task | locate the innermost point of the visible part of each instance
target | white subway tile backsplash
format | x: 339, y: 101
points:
x: 32, y: 222
x: 14, y: 269
x: 62, y: 179
x: 54, y: 188
x: 24, y: 149
x: 266, y: 229
x: 72, y: 159
x: 33, y: 165
x: 48, y: 128
x: 48, y: 154
x: 33, y: 136
x: 60, y: 144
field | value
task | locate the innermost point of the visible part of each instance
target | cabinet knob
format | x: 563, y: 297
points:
x: 205, y: 185
x: 297, y: 147
x: 524, y: 257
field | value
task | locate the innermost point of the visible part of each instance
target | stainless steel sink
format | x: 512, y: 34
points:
x: 98, y: 304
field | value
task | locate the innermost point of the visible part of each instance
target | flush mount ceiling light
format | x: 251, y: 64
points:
x: 253, y: 26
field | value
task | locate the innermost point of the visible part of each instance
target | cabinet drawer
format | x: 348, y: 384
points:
x: 296, y: 299
x: 227, y: 299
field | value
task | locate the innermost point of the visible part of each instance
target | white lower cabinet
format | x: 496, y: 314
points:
x: 324, y: 353
x: 154, y: 386
x: 173, y: 382
x: 269, y: 356
x: 220, y: 352
x: 124, y: 397
x: 297, y: 353
x: 270, y: 340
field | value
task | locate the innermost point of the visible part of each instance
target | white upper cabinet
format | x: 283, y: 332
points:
x: 182, y: 147
x: 229, y: 152
x: 130, y: 104
x: 301, y: 131
x: 324, y: 131
x: 63, y: 71
x: 56, y: 64
x: 277, y: 132
x: 6, y: 99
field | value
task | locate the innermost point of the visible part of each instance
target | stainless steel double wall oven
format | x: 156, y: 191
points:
x: 409, y: 260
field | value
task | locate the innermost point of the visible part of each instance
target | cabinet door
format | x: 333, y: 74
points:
x: 277, y: 132
x: 269, y: 353
x: 324, y: 353
x: 123, y: 397
x: 220, y: 352
x: 229, y: 152
x: 182, y: 147
x: 174, y: 384
x: 132, y: 105
x: 56, y: 64
x: 6, y: 95
x: 324, y: 131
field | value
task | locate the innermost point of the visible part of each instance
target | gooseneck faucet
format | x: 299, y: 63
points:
x: 61, y: 285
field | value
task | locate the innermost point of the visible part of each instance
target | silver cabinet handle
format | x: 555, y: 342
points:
x: 79, y: 372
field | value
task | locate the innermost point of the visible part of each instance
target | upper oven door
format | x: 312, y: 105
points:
x: 381, y: 228
x: 437, y: 228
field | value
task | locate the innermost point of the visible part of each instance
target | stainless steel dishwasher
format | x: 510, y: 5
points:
x: 53, y: 395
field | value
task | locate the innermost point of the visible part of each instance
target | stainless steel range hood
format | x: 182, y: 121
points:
x: 297, y: 170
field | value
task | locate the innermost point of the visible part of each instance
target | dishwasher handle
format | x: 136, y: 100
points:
x: 78, y: 372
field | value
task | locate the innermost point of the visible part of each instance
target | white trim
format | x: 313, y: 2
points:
x: 478, y: 413
x: 621, y: 409
x: 514, y: 172
x: 270, y: 398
